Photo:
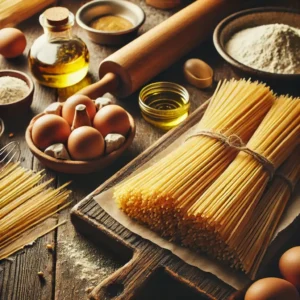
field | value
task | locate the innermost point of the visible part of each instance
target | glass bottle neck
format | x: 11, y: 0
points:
x: 53, y: 36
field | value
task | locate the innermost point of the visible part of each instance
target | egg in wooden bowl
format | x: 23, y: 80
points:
x: 81, y: 135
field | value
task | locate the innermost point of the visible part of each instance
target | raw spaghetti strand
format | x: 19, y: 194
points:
x: 268, y: 212
x: 159, y: 195
x: 24, y: 203
x: 224, y: 211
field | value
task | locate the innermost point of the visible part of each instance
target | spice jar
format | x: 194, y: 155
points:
x: 164, y: 104
x: 57, y: 58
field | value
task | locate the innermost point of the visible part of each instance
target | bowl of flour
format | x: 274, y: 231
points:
x: 16, y: 93
x: 261, y: 42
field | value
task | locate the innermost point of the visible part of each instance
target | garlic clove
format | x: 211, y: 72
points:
x: 113, y: 141
x: 198, y: 73
x: 101, y: 102
x: 54, y: 108
x: 58, y: 151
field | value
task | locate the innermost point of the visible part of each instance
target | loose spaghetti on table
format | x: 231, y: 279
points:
x: 24, y: 203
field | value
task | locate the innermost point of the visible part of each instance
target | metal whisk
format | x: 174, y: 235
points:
x: 8, y: 153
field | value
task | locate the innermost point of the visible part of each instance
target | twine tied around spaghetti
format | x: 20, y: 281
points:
x: 288, y: 182
x: 234, y: 141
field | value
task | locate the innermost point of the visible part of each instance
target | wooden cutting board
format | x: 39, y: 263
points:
x: 145, y: 259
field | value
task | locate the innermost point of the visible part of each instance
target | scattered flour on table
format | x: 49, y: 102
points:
x: 85, y: 266
x: 273, y: 48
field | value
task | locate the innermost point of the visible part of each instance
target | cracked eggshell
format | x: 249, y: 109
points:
x: 198, y: 73
x: 101, y: 102
x: 58, y: 151
x: 54, y: 108
x: 113, y: 141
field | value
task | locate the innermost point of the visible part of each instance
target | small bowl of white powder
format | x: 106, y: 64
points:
x: 262, y: 42
x: 16, y: 93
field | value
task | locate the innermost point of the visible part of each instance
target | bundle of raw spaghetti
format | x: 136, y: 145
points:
x: 25, y: 203
x: 157, y: 195
x: 260, y: 230
x: 223, y: 212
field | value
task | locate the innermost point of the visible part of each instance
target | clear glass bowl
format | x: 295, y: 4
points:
x: 164, y: 104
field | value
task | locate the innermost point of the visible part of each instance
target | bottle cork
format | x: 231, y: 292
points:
x: 57, y: 16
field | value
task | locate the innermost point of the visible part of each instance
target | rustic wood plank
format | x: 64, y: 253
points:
x: 18, y: 276
x: 129, y: 289
x: 90, y: 219
x: 71, y: 281
x: 115, y: 236
x: 18, y: 279
x: 147, y: 258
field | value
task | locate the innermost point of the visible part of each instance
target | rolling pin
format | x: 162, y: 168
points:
x: 126, y: 70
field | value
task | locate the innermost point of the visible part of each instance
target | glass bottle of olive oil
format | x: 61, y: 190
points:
x: 57, y: 58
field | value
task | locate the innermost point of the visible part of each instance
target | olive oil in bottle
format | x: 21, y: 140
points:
x: 57, y: 58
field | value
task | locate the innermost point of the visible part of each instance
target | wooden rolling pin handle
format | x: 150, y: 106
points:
x: 108, y: 83
x: 238, y: 295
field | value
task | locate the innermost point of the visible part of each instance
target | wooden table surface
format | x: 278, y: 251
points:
x: 77, y: 265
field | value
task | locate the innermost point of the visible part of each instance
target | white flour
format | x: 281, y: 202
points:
x: 85, y: 266
x: 12, y: 89
x: 273, y: 48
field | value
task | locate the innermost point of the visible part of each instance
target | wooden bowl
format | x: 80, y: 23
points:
x: 76, y: 166
x: 18, y: 107
x: 251, y: 18
x: 2, y: 127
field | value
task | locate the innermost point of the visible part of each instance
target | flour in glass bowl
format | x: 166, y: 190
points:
x: 272, y: 48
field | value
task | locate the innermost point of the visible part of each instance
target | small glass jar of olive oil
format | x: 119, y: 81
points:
x: 57, y: 58
x: 164, y: 104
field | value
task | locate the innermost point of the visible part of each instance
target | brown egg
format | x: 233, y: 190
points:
x: 48, y: 130
x: 12, y: 42
x: 289, y: 265
x: 272, y: 289
x: 85, y: 143
x: 68, y: 110
x: 112, y: 119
